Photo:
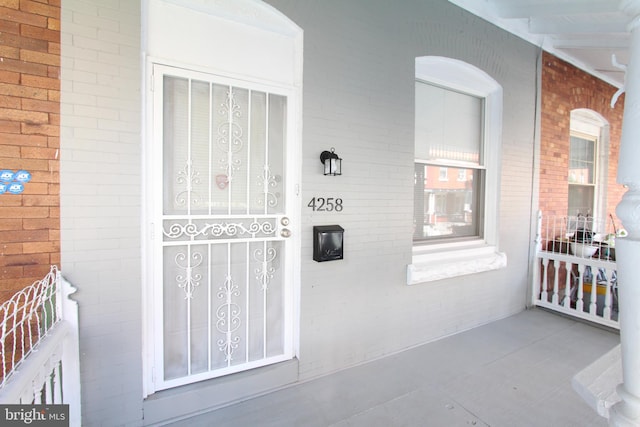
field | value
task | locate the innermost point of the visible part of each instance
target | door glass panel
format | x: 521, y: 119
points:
x: 272, y: 180
x: 175, y: 145
x: 199, y: 146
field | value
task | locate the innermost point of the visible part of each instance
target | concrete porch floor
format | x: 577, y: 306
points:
x: 513, y: 372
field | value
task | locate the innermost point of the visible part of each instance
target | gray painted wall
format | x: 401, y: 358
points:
x: 358, y: 97
x: 100, y: 161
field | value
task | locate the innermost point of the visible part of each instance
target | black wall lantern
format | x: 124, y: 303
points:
x: 332, y: 163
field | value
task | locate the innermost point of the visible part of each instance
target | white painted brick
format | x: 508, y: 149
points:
x: 94, y: 43
x: 77, y: 30
x: 79, y: 8
x: 95, y: 134
x: 82, y: 76
x: 91, y: 111
x: 119, y: 125
x: 98, y: 22
x: 92, y: 89
x: 100, y: 212
x: 92, y: 65
x: 119, y: 39
x: 125, y: 20
x: 80, y: 121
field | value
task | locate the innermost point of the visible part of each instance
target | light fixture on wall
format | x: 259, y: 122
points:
x: 332, y: 163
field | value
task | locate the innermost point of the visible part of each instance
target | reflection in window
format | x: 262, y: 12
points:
x: 446, y: 208
x: 449, y: 170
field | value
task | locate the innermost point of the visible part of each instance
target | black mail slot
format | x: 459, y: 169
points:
x: 327, y: 242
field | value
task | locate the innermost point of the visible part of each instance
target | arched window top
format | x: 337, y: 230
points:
x: 456, y: 74
x: 587, y: 121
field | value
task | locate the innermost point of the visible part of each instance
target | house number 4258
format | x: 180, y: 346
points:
x: 328, y: 204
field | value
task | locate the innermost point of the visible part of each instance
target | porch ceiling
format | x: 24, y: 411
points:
x: 585, y: 33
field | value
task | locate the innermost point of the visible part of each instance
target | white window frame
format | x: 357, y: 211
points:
x: 589, y: 124
x: 443, y: 260
x: 443, y: 173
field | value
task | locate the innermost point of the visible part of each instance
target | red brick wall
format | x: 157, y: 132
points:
x: 565, y: 88
x: 29, y: 140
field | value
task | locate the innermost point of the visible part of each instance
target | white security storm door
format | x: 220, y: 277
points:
x: 222, y: 253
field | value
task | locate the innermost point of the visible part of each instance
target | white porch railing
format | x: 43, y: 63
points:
x: 575, y: 268
x: 39, y: 346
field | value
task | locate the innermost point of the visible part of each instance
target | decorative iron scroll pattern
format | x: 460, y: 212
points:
x: 229, y: 229
x: 265, y: 272
x: 188, y: 177
x: 228, y: 318
x: 188, y: 281
x: 230, y: 134
x: 267, y: 180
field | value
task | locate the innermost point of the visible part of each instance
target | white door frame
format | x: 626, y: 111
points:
x: 264, y: 31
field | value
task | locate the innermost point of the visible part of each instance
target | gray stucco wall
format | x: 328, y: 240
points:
x: 358, y: 97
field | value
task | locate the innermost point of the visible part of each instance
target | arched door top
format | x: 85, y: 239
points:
x: 240, y: 38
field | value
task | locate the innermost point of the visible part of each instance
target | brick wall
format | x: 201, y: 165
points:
x: 29, y: 140
x: 565, y: 88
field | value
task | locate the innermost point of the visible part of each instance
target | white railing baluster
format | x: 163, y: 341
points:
x: 37, y: 391
x: 545, y: 279
x: 566, y: 302
x: 554, y: 297
x: 48, y: 389
x: 594, y: 291
x: 538, y: 268
x: 608, y: 283
x: 56, y: 387
x: 575, y: 258
x: 580, y: 301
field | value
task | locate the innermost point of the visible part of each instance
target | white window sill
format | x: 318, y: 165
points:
x: 438, y: 262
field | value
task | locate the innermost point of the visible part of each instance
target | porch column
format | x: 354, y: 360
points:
x: 627, y: 411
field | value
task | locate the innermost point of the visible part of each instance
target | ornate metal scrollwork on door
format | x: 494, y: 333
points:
x: 267, y: 180
x: 188, y: 177
x: 264, y: 273
x: 189, y: 281
x: 228, y: 318
x: 230, y: 134
x: 221, y: 229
